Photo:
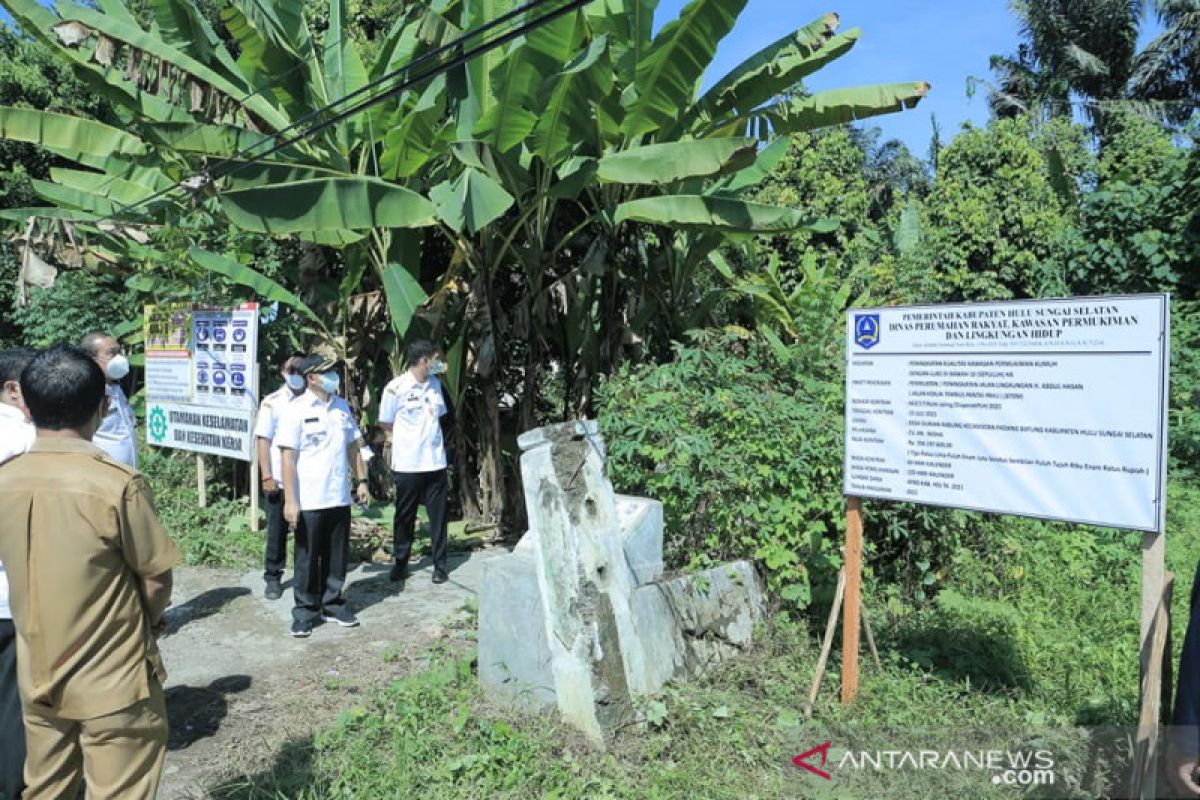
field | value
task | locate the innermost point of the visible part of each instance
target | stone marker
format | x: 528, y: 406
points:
x: 579, y: 614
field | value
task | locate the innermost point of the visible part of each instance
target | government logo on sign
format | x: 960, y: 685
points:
x: 866, y: 330
x: 158, y: 424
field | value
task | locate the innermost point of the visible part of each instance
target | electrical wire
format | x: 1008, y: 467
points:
x: 427, y: 56
x: 215, y: 173
x: 278, y: 80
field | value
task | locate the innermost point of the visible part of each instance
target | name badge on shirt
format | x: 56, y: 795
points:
x: 313, y: 432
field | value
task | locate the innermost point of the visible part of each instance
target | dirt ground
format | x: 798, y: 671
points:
x: 240, y: 687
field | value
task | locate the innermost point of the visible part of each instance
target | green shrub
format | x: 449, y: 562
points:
x: 746, y: 464
x: 1184, y: 421
x: 745, y: 455
x: 216, y: 535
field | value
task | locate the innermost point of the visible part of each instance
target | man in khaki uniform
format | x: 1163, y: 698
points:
x: 89, y: 567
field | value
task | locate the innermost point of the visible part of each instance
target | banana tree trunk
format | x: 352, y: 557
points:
x: 480, y: 453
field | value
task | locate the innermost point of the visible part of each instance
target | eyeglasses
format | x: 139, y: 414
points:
x: 112, y: 352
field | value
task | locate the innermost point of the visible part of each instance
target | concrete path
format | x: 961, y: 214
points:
x: 240, y: 687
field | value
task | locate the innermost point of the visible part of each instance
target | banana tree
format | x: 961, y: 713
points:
x: 542, y: 208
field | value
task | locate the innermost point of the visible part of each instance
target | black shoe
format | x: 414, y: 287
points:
x: 273, y: 591
x: 399, y: 573
x: 301, y: 630
x: 342, y: 617
x: 440, y: 576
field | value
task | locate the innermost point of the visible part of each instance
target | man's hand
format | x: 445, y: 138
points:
x: 270, y: 485
x: 363, y: 493
x: 291, y: 511
x: 1180, y: 767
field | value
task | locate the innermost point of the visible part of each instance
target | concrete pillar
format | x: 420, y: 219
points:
x: 585, y: 581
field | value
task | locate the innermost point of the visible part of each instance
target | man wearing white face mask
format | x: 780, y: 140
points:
x: 320, y: 442
x: 412, y: 408
x: 270, y: 462
x: 117, y: 433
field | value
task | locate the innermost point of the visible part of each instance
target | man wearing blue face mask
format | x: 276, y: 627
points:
x: 117, y: 434
x: 270, y: 464
x: 412, y: 408
x: 320, y: 444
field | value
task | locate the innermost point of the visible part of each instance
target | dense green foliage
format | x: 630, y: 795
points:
x: 744, y: 456
x: 1035, y: 633
x: 1132, y: 230
x: 216, y: 535
x: 560, y: 192
x: 716, y: 367
x: 993, y: 216
x: 32, y: 77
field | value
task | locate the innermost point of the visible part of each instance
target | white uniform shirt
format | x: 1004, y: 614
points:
x: 319, y: 433
x: 413, y: 410
x: 267, y: 423
x: 16, y: 437
x: 117, y: 434
x: 16, y: 432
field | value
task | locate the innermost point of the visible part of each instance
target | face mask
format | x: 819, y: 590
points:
x: 330, y: 382
x: 295, y: 382
x: 117, y: 368
x: 437, y: 367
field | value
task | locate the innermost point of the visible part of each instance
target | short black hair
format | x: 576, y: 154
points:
x: 13, y: 361
x: 62, y: 387
x: 420, y: 348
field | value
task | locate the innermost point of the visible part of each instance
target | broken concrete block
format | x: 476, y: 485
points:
x: 579, y: 615
x: 514, y: 659
x: 641, y: 521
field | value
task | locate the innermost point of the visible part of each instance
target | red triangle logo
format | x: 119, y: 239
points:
x: 802, y: 760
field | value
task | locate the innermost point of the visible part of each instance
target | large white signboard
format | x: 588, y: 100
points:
x: 202, y: 378
x: 1044, y: 408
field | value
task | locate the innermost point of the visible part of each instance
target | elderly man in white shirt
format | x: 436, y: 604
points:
x: 320, y: 442
x: 16, y: 437
x: 118, y: 431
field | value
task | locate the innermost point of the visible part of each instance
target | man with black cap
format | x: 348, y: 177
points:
x: 320, y: 442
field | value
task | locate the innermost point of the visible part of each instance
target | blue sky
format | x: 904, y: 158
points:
x: 932, y: 40
x: 939, y: 41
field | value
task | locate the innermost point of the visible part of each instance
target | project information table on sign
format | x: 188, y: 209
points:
x: 1046, y: 408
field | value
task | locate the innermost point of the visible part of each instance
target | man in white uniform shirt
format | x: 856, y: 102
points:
x: 412, y: 408
x: 270, y: 464
x: 117, y: 435
x: 17, y: 433
x: 320, y: 443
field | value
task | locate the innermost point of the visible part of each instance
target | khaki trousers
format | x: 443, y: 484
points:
x: 119, y: 755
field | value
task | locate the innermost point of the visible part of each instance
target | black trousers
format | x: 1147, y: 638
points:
x: 414, y: 489
x: 319, y: 568
x: 277, y: 533
x: 12, y: 727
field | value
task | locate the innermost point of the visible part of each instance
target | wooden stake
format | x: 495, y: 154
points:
x: 827, y: 644
x: 1154, y: 574
x: 255, y: 482
x: 201, y: 483
x: 254, y: 490
x: 852, y: 615
x: 871, y: 639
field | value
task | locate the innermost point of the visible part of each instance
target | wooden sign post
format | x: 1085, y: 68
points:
x: 255, y: 483
x: 852, y: 600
